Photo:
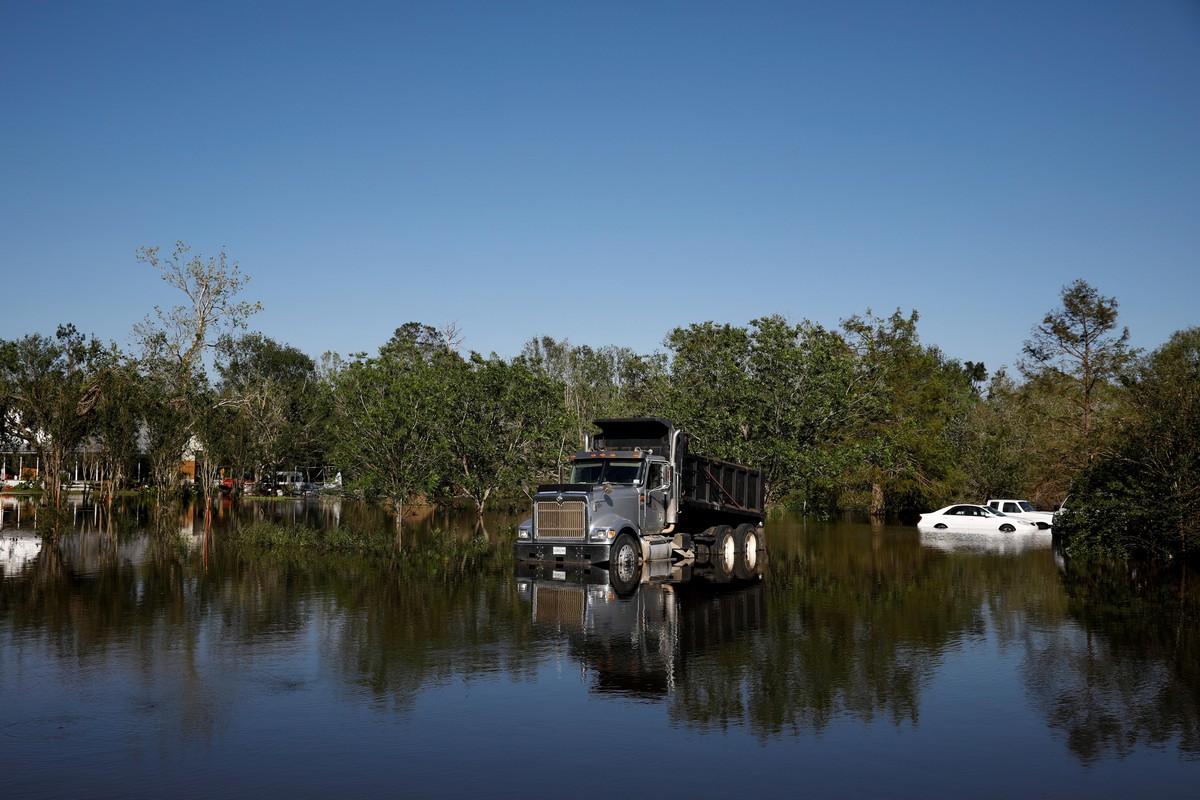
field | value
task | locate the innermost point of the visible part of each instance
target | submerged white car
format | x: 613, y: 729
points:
x: 1023, y: 509
x: 965, y: 518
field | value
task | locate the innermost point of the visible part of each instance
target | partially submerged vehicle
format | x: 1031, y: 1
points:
x: 967, y: 518
x: 1023, y: 509
x: 636, y: 493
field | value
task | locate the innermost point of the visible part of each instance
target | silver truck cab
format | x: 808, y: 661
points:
x: 610, y: 494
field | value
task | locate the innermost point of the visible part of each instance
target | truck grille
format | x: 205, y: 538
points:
x: 554, y: 520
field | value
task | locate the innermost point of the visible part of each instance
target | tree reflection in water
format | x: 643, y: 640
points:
x: 1124, y: 670
x: 845, y: 624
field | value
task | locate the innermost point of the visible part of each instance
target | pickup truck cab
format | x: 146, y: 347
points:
x: 1023, y: 509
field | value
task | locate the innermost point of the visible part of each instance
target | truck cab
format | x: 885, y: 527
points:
x: 1023, y: 510
x: 610, y: 494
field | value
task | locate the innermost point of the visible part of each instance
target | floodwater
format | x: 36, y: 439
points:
x: 141, y: 657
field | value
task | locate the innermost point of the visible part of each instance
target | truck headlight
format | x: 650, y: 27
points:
x: 522, y: 533
x: 603, y: 534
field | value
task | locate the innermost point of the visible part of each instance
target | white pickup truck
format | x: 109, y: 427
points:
x: 1023, y: 509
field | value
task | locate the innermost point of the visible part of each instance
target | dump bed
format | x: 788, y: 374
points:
x: 719, y: 490
x: 711, y: 491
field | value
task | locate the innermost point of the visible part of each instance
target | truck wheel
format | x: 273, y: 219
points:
x: 723, y: 554
x: 624, y: 557
x: 748, y: 542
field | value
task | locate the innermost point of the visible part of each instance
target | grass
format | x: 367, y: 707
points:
x: 270, y: 536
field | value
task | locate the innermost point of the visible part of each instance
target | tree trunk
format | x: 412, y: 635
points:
x: 398, y: 510
x: 53, y: 478
x: 876, y: 499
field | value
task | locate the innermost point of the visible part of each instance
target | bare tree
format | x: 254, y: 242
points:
x: 174, y: 340
x: 212, y: 287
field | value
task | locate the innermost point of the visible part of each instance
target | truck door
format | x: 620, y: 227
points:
x: 656, y: 499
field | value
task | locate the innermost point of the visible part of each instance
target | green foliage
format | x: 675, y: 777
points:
x: 271, y: 408
x: 864, y: 416
x: 1079, y: 342
x: 823, y: 413
x: 119, y: 412
x: 344, y: 539
x: 506, y: 420
x: 1142, y: 496
x: 909, y: 429
x: 391, y: 416
x: 997, y: 458
x: 597, y: 382
x: 49, y: 388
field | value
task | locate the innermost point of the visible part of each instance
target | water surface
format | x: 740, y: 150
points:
x: 140, y: 656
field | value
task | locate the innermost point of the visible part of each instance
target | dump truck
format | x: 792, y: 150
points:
x: 638, y: 493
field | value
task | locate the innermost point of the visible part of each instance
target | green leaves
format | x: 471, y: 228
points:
x: 392, y: 415
x: 48, y: 393
x: 823, y: 413
x: 507, y: 422
x: 1141, y: 495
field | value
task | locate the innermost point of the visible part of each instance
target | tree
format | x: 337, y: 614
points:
x: 1142, y: 496
x: 597, y: 382
x: 710, y: 388
x: 269, y: 406
x: 119, y: 418
x: 50, y: 390
x: 174, y: 341
x: 391, y: 415
x: 1079, y: 341
x: 800, y: 396
x: 170, y: 413
x: 911, y: 418
x: 996, y: 459
x: 504, y: 428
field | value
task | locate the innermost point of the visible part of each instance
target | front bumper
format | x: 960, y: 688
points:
x: 564, y: 552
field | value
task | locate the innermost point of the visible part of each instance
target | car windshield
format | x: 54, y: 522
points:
x: 1026, y: 506
x: 991, y: 512
x: 605, y: 471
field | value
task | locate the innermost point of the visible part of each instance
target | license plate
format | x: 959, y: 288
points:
x: 558, y: 575
x: 560, y: 551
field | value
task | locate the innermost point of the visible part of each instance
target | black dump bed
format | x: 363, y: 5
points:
x: 711, y: 491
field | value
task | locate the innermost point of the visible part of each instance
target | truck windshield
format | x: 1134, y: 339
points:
x: 1026, y: 506
x: 605, y: 470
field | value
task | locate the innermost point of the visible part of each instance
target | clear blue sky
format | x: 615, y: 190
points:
x: 604, y: 172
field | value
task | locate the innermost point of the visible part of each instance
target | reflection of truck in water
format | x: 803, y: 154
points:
x: 636, y: 493
x: 636, y: 636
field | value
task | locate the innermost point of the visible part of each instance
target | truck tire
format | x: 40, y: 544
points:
x: 625, y: 558
x: 723, y: 552
x: 749, y: 542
